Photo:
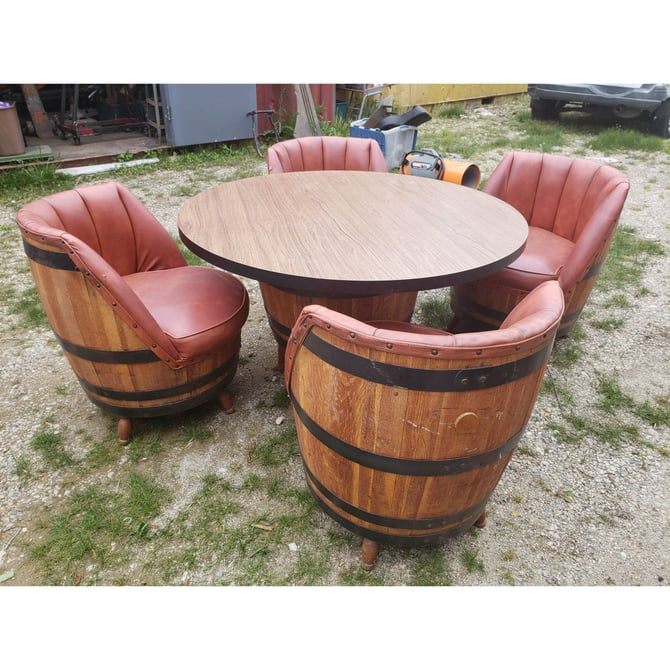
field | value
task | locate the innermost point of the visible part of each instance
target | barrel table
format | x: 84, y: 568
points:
x: 362, y: 243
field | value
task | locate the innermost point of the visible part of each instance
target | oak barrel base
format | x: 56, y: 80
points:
x: 284, y: 307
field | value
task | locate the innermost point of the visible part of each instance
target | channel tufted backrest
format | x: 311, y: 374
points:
x: 559, y: 193
x: 326, y: 153
x: 532, y: 323
x: 111, y: 221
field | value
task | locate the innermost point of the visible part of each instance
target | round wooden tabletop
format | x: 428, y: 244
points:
x: 356, y: 233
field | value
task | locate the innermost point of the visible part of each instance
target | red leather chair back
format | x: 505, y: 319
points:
x: 559, y: 193
x: 326, y: 153
x: 110, y: 220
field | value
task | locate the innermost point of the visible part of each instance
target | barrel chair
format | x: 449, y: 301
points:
x: 572, y: 206
x: 304, y: 154
x: 405, y: 430
x: 145, y: 333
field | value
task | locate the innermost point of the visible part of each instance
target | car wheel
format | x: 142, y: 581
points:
x: 660, y: 121
x: 545, y: 110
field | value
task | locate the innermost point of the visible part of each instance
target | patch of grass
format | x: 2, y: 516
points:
x: 540, y: 137
x: 614, y: 140
x: 223, y: 154
x: 102, y: 453
x: 276, y: 450
x: 562, y: 394
x: 656, y: 415
x: 613, y: 424
x: 626, y: 261
x: 22, y: 469
x: 616, y: 434
x: 362, y: 577
x: 148, y: 444
x: 449, y: 111
x: 571, y: 430
x: 435, y: 312
x: 566, y: 353
x: 97, y: 529
x: 611, y: 397
x: 311, y: 567
x: 29, y: 308
x: 280, y: 399
x: 448, y: 142
x: 526, y: 451
x: 338, y: 127
x: 471, y: 561
x: 21, y: 185
x: 202, y: 533
x: 565, y: 494
x: 214, y: 531
x: 618, y: 300
x: 430, y: 569
x: 608, y: 324
x: 50, y: 446
x: 195, y: 431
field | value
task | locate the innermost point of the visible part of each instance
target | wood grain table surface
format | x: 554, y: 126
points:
x: 356, y: 233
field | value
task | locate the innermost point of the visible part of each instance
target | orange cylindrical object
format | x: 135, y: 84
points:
x: 462, y: 173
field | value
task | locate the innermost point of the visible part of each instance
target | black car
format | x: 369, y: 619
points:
x: 649, y: 102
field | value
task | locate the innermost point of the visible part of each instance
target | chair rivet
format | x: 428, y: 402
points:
x: 434, y: 352
x: 114, y: 304
x: 478, y: 352
x: 352, y: 335
x: 389, y: 345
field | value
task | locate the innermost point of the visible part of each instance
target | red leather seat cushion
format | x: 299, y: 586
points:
x: 198, y: 308
x: 542, y: 259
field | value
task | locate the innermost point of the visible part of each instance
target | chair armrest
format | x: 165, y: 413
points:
x: 121, y: 298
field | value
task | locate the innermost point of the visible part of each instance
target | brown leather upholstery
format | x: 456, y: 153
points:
x: 112, y: 280
x: 404, y: 430
x: 326, y: 153
x: 572, y: 207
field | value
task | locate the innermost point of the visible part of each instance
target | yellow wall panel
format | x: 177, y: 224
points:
x: 427, y: 95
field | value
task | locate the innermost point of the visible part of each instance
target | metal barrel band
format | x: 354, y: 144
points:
x: 425, y: 379
x: 403, y: 466
x: 395, y: 522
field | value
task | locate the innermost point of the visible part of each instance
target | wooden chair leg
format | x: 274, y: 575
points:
x: 226, y: 401
x: 281, y: 352
x: 369, y: 554
x: 481, y: 521
x: 123, y: 430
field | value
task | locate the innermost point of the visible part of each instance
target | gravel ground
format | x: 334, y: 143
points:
x: 586, y: 514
